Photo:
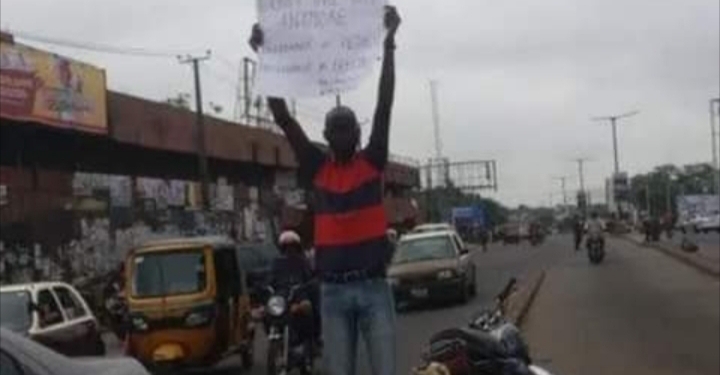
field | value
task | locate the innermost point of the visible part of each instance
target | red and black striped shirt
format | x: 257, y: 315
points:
x: 350, y: 219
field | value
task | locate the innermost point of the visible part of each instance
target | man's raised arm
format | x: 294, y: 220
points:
x: 379, y: 138
x: 299, y: 141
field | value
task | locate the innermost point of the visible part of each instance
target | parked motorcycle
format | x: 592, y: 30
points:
x: 489, y: 345
x: 596, y: 249
x: 288, y: 349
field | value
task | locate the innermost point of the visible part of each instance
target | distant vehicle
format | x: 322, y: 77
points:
x: 708, y: 223
x: 469, y: 222
x: 53, y: 314
x: 434, y: 265
x: 20, y: 356
x: 432, y: 227
x: 512, y: 233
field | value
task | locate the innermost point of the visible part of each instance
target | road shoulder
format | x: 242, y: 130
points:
x: 707, y: 266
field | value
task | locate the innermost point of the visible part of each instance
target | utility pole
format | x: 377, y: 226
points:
x: 647, y: 197
x: 668, y: 195
x: 436, y: 119
x: 581, y: 174
x: 248, y: 73
x: 338, y: 101
x: 200, y: 127
x: 583, y: 193
x: 714, y: 133
x: 613, y: 123
x: 562, y: 180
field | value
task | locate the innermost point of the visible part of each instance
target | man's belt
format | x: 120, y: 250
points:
x: 351, y: 276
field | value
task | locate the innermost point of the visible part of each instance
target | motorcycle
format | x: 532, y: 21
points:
x: 596, y: 249
x: 488, y: 345
x: 287, y: 349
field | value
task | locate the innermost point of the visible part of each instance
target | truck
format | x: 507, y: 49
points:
x: 469, y: 221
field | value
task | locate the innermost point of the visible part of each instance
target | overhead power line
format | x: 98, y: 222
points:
x: 97, y: 47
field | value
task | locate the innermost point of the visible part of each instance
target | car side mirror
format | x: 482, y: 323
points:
x: 464, y: 251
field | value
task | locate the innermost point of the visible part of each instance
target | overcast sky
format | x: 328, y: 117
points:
x: 518, y: 80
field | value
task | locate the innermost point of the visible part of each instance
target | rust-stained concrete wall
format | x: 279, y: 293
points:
x: 161, y: 126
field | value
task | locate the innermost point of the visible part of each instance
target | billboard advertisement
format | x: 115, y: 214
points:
x: 43, y: 87
x: 469, y: 216
x: 693, y: 206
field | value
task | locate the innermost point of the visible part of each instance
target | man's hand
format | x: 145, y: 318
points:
x: 392, y: 20
x: 257, y: 37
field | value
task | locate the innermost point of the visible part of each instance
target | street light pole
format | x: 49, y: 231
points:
x: 715, y: 111
x: 613, y: 122
x: 562, y: 180
x: 581, y: 177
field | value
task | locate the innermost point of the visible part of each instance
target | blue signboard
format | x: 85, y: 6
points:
x: 469, y: 215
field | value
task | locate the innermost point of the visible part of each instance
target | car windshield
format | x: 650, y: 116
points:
x: 14, y: 310
x: 172, y: 273
x: 429, y: 248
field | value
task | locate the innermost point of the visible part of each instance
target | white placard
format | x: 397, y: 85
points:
x: 317, y: 47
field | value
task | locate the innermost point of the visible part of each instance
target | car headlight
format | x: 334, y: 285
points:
x: 198, y: 318
x: 444, y: 275
x: 276, y: 305
x: 139, y: 323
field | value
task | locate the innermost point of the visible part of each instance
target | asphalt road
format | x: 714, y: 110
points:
x: 640, y: 312
x: 495, y: 267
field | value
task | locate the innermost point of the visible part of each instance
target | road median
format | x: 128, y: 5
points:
x: 691, y: 259
x: 519, y: 302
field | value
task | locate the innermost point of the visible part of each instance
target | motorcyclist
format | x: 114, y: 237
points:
x: 595, y: 228
x: 293, y: 268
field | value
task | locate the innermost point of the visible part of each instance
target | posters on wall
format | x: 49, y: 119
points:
x: 317, y: 47
x: 224, y: 197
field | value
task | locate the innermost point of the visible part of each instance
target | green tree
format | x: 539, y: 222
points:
x: 657, y: 191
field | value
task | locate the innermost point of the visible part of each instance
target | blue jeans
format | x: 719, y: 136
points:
x: 359, y: 308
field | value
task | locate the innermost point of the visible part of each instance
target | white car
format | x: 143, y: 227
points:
x: 433, y: 227
x: 53, y: 314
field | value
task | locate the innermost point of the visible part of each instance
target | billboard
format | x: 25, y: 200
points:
x: 692, y: 206
x: 469, y: 215
x: 43, y: 87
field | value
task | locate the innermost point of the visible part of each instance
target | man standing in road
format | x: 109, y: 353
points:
x: 351, y: 244
x: 578, y: 229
